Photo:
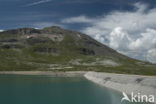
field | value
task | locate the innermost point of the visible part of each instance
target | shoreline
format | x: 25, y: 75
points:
x: 49, y: 73
x: 145, y: 85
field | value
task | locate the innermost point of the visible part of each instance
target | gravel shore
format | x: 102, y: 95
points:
x: 145, y: 85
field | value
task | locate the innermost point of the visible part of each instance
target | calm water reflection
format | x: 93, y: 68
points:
x: 18, y: 89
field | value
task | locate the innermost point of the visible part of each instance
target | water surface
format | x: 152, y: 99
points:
x: 21, y: 89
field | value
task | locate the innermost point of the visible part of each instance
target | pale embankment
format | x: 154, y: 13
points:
x: 145, y: 85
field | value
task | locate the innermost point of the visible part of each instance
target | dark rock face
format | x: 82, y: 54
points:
x: 9, y: 40
x: 11, y: 46
x: 6, y: 46
x: 86, y: 51
x: 37, y: 40
x: 23, y: 31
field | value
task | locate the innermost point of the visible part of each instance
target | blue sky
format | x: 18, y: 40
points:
x: 127, y: 26
x: 17, y: 13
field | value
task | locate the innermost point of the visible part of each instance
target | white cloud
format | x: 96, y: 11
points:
x: 117, y: 37
x: 1, y: 30
x: 151, y: 55
x: 146, y: 41
x: 37, y: 3
x: 79, y: 19
x: 98, y: 37
x: 130, y: 32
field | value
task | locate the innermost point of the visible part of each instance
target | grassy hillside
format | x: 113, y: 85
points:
x: 57, y: 49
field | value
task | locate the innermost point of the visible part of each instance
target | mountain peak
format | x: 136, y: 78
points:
x: 52, y: 29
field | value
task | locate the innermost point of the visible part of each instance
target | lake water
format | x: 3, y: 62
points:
x: 20, y: 89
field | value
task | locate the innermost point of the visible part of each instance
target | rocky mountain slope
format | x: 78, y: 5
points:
x: 57, y: 49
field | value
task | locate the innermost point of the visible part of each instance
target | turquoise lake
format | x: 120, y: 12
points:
x: 22, y: 89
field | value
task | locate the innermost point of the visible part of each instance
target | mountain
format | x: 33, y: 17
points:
x: 57, y: 49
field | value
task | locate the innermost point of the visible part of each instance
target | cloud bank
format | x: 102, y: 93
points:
x: 132, y: 33
x: 79, y: 19
x: 1, y: 30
